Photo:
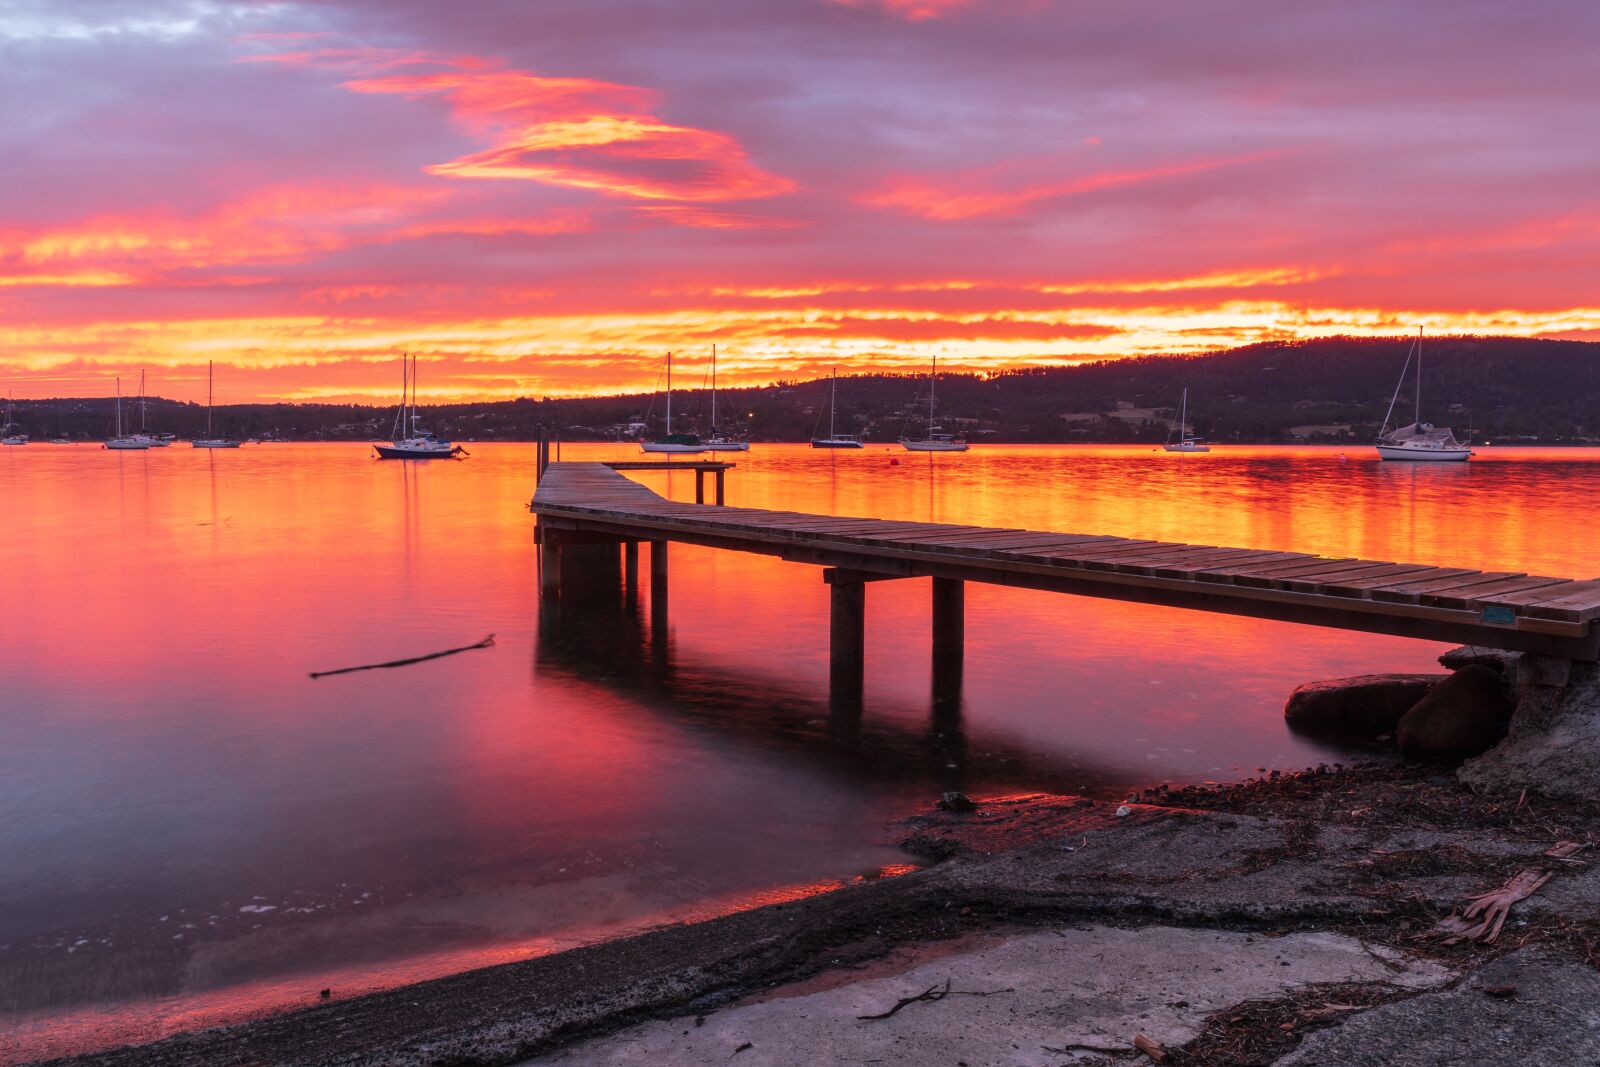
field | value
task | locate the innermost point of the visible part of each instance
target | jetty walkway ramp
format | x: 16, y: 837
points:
x: 591, y: 505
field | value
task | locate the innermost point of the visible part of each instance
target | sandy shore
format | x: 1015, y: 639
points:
x: 1287, y: 920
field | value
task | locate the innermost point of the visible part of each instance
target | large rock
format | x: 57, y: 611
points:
x: 1553, y: 744
x: 1495, y: 658
x: 1464, y: 715
x: 1365, y: 706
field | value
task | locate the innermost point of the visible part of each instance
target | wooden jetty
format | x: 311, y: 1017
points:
x: 585, y: 510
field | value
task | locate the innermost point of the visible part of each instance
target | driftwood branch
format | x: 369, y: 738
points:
x: 931, y: 994
x: 485, y: 643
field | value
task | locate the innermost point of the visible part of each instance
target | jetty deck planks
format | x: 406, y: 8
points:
x: 1558, y: 616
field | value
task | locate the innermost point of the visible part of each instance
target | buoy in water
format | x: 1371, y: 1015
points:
x: 893, y: 462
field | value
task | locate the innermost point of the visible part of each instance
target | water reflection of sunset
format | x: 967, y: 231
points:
x: 167, y: 754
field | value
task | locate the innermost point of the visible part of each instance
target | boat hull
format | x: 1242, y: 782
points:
x: 1424, y: 455
x: 728, y: 446
x: 215, y: 443
x: 395, y: 452
x: 671, y: 447
x: 1187, y: 448
x: 935, y: 446
x: 825, y: 442
x: 127, y: 446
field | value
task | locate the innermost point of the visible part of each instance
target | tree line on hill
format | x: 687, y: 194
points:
x: 1333, y: 390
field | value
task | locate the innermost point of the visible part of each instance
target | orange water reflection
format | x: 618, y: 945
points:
x: 188, y: 820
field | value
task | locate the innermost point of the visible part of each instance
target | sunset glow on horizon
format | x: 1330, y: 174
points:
x: 543, y: 199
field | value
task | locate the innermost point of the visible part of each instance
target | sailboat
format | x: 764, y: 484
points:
x: 835, y: 440
x: 1186, y: 442
x: 10, y: 438
x: 209, y: 441
x: 408, y: 441
x: 722, y: 442
x: 157, y: 440
x: 1421, y: 441
x: 673, y: 442
x: 123, y: 442
x: 934, y: 441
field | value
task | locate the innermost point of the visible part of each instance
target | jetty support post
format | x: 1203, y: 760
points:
x: 721, y: 483
x: 630, y: 567
x: 549, y: 563
x: 847, y: 633
x: 699, y: 485
x: 949, y: 641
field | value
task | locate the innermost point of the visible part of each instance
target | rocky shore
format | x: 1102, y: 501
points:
x: 1388, y: 913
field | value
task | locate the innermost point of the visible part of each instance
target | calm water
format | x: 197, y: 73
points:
x: 192, y: 830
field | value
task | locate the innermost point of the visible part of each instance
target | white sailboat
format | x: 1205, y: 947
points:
x: 934, y: 441
x: 125, y: 442
x: 722, y: 442
x: 835, y: 440
x: 8, y: 437
x: 1421, y: 442
x: 410, y: 442
x: 1186, y: 442
x: 157, y: 440
x: 208, y: 441
x: 680, y: 443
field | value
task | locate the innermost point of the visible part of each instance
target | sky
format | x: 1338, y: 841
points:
x: 544, y: 197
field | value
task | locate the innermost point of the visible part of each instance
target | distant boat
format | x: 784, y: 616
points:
x: 1421, y: 442
x: 10, y: 438
x: 208, y: 441
x: 1186, y: 442
x: 156, y: 440
x: 409, y: 442
x: 835, y: 440
x: 719, y: 441
x: 934, y: 441
x: 125, y: 442
x: 680, y: 443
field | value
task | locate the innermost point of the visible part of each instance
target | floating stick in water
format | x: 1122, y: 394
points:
x: 485, y: 643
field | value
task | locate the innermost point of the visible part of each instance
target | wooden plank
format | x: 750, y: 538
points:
x: 1273, y: 578
x: 1581, y: 605
x: 1396, y: 572
x: 1200, y: 557
x: 1226, y: 575
x: 1197, y: 568
x: 1472, y: 596
x: 1411, y: 592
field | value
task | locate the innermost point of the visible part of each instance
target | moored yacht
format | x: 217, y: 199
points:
x: 719, y: 441
x: 1186, y: 442
x: 1420, y: 442
x: 681, y: 443
x: 835, y: 439
x: 933, y: 440
x: 209, y: 440
x: 410, y: 442
x: 122, y: 442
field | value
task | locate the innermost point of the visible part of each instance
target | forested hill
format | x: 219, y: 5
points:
x: 1335, y: 390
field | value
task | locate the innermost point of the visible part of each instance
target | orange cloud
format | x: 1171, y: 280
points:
x: 573, y: 132
x: 276, y: 225
x: 970, y: 196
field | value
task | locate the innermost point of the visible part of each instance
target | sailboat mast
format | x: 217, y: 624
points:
x: 713, y: 388
x: 833, y: 398
x: 1418, y: 418
x: 933, y: 376
x: 209, y: 373
x: 143, y: 404
x: 119, y: 407
x: 1183, y: 415
x: 669, y: 394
